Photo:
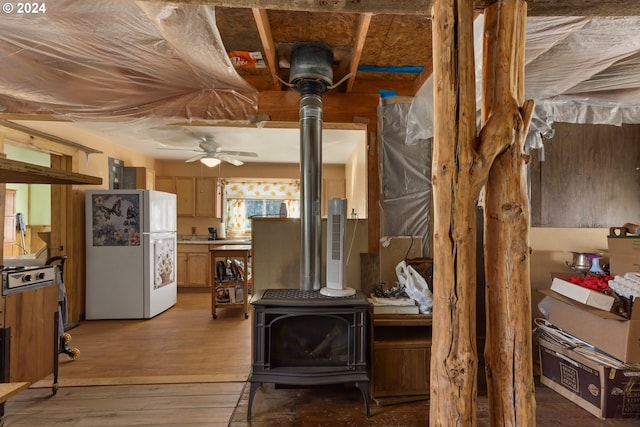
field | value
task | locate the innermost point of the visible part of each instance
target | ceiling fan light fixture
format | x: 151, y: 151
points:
x: 210, y: 161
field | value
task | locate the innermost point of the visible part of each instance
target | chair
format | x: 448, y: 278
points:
x: 64, y: 337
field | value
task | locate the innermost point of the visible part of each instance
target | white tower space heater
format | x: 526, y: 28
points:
x: 336, y: 226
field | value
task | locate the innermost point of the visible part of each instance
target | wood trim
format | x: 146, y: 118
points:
x: 52, y: 143
x: 12, y: 171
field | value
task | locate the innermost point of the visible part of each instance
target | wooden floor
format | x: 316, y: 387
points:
x: 183, y: 368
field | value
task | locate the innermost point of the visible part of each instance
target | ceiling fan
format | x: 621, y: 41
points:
x: 211, y: 153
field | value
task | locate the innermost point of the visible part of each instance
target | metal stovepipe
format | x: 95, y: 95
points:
x: 310, y: 190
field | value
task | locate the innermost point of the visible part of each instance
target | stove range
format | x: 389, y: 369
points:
x: 22, y: 278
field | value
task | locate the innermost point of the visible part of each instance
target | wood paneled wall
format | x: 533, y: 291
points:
x: 590, y: 177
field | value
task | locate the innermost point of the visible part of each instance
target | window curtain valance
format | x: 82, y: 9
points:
x: 276, y: 189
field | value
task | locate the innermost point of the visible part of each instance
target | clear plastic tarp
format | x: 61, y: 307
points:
x: 578, y: 70
x: 120, y: 60
x: 405, y: 175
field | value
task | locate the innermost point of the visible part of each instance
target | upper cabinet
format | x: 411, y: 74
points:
x: 206, y: 197
x: 195, y: 196
x: 138, y: 177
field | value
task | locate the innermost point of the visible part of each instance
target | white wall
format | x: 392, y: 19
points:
x: 356, y: 180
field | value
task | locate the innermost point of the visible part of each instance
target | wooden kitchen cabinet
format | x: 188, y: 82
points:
x: 193, y: 266
x: 194, y: 196
x: 206, y: 200
x: 184, y: 189
x: 135, y: 177
x: 400, y: 357
x: 166, y: 184
x: 185, y: 196
x: 29, y: 319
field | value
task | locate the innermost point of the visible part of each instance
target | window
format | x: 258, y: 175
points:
x: 245, y: 199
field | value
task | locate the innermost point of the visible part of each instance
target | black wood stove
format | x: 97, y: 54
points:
x: 303, y: 338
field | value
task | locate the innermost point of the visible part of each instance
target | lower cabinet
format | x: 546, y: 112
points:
x: 400, y: 356
x: 193, y: 266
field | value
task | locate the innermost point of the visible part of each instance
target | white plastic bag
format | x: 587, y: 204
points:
x: 415, y: 286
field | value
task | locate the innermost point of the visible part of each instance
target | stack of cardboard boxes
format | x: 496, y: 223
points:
x: 607, y: 390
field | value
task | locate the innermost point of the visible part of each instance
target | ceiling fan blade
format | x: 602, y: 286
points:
x: 179, y: 149
x: 239, y: 153
x: 198, y: 157
x: 229, y: 159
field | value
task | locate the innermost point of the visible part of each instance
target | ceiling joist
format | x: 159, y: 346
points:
x: 423, y: 7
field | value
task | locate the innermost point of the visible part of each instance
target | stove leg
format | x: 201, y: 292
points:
x: 252, y: 391
x: 364, y: 388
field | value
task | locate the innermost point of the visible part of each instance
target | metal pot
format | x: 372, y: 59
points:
x: 581, y: 262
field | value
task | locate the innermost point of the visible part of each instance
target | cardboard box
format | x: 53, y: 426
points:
x: 607, y: 331
x: 583, y: 295
x: 624, y: 254
x: 601, y: 390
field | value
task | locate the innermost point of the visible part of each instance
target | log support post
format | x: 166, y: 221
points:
x: 461, y: 166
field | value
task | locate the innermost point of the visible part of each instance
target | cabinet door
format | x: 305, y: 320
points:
x: 185, y: 195
x: 198, y: 269
x: 181, y: 269
x: 150, y: 179
x: 206, y: 197
x: 401, y: 371
x: 166, y: 184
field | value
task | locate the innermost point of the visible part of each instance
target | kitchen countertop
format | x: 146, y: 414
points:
x: 214, y: 242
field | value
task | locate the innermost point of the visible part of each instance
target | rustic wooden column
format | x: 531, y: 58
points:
x: 458, y: 173
x: 506, y: 117
x: 461, y: 163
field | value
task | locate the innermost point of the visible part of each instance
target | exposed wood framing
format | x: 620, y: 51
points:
x: 358, y: 45
x: 423, y: 7
x: 264, y: 29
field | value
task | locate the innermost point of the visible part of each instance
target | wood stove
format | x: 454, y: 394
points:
x: 303, y: 338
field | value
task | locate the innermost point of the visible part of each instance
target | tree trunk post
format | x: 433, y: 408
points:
x: 461, y: 163
x: 506, y: 117
x: 456, y: 187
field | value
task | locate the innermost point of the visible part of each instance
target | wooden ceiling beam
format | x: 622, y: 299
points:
x: 264, y: 29
x: 358, y: 45
x: 41, y: 141
x: 423, y: 7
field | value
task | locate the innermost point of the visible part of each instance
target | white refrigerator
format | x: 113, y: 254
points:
x: 130, y: 253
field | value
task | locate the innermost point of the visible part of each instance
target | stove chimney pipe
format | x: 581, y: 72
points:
x: 311, y: 75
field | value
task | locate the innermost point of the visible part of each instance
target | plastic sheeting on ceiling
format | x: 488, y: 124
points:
x: 584, y: 70
x: 578, y: 70
x: 120, y: 60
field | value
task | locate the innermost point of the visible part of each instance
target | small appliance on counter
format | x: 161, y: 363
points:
x: 213, y: 233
